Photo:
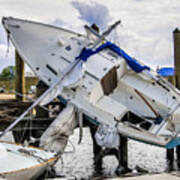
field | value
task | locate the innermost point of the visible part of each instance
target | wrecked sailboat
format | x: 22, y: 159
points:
x: 23, y: 163
x: 102, y: 81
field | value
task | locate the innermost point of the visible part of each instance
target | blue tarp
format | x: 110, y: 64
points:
x: 133, y: 64
x: 173, y: 143
x: 166, y: 71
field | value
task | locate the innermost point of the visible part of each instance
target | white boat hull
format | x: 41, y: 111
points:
x: 49, y: 50
x: 24, y: 163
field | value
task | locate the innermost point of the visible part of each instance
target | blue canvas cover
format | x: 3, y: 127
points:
x: 133, y: 64
x: 166, y: 71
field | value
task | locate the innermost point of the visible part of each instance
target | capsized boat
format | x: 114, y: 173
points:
x: 18, y: 162
x: 106, y: 84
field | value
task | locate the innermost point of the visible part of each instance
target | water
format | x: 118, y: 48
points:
x: 77, y: 161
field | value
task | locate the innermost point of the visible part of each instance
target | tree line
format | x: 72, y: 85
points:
x: 8, y: 73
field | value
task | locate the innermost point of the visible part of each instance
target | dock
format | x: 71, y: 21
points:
x: 163, y: 176
x: 10, y: 109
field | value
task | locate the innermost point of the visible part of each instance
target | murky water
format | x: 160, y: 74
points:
x: 77, y: 160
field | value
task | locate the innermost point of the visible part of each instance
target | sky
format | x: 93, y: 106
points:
x: 146, y: 31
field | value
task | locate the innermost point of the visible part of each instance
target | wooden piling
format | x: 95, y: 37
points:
x: 40, y: 113
x: 124, y: 152
x: 170, y: 159
x: 20, y: 79
x: 40, y: 89
x: 175, y: 80
x: 176, y: 36
x: 20, y: 91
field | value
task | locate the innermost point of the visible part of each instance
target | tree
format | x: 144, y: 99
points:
x: 8, y: 73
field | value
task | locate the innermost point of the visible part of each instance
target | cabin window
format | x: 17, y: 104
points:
x: 68, y: 48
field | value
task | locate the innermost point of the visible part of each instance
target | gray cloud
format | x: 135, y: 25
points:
x: 3, y: 37
x: 147, y: 25
x: 6, y: 59
x: 58, y: 22
x: 93, y: 13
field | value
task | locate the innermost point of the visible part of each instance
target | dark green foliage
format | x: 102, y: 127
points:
x: 8, y: 73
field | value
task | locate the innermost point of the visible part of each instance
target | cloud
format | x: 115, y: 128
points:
x: 147, y: 25
x: 40, y: 10
x: 6, y: 59
x: 93, y: 13
x: 147, y: 29
x: 46, y: 12
x: 58, y: 22
x: 3, y: 37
